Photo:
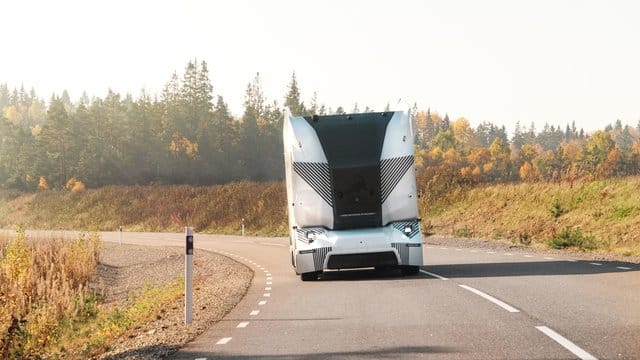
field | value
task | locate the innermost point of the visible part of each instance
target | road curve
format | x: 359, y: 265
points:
x: 467, y: 303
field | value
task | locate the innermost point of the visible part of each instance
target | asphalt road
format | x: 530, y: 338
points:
x: 467, y: 303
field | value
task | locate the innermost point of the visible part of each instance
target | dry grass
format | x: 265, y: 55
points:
x: 218, y: 209
x: 589, y: 215
x: 43, y: 288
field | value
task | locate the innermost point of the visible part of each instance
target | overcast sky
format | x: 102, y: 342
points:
x: 498, y: 61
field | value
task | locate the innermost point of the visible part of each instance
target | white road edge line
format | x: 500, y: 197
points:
x: 272, y: 244
x: 433, y: 275
x: 548, y: 258
x: 623, y: 268
x: 254, y: 312
x: 575, y: 349
x: 223, y: 341
x: 500, y: 303
x: 243, y: 325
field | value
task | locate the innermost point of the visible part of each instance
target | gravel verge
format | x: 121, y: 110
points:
x: 219, y: 284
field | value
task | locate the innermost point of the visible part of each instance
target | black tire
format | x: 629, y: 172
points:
x: 309, y: 276
x: 410, y: 270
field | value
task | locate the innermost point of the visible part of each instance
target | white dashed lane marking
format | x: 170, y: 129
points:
x: 269, y: 283
x: 548, y: 258
x: 500, y: 303
x: 254, y: 312
x: 268, y: 288
x: 223, y: 341
x: 266, y: 294
x: 528, y: 256
x: 575, y: 349
x: 243, y: 325
x: 596, y: 264
x: 262, y: 302
x: 623, y: 268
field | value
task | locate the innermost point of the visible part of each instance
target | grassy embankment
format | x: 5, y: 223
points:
x: 599, y: 215
x: 213, y: 209
x: 47, y: 307
x: 595, y: 216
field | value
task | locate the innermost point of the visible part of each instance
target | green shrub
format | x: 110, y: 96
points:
x: 465, y: 232
x: 557, y: 210
x: 573, y: 238
x: 622, y: 212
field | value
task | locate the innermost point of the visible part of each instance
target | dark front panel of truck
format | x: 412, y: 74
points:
x: 353, y: 145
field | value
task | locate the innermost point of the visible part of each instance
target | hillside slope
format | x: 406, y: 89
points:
x: 597, y: 215
x: 218, y: 209
x: 592, y: 216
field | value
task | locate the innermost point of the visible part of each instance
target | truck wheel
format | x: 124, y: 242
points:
x: 309, y: 276
x: 410, y: 270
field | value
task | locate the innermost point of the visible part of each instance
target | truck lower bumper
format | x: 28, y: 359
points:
x: 348, y: 249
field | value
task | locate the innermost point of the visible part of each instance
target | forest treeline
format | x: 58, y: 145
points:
x: 186, y: 135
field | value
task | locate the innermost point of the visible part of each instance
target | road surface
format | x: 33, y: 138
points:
x: 466, y: 303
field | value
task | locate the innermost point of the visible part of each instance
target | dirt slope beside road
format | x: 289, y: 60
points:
x: 219, y: 284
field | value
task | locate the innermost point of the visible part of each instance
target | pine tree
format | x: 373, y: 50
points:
x: 445, y: 125
x: 250, y: 146
x: 618, y: 125
x: 313, y: 109
x: 292, y: 99
x: 56, y: 136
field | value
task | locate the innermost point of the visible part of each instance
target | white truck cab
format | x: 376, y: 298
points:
x: 351, y: 192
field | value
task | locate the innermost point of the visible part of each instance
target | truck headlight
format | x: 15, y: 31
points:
x: 311, y: 236
x: 408, y: 229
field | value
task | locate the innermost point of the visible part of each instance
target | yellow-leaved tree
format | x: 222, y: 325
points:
x: 43, y: 184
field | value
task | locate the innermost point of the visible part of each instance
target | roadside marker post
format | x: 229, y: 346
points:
x: 120, y: 237
x: 242, y: 226
x: 188, y: 276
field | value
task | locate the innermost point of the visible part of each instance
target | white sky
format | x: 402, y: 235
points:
x: 498, y: 61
